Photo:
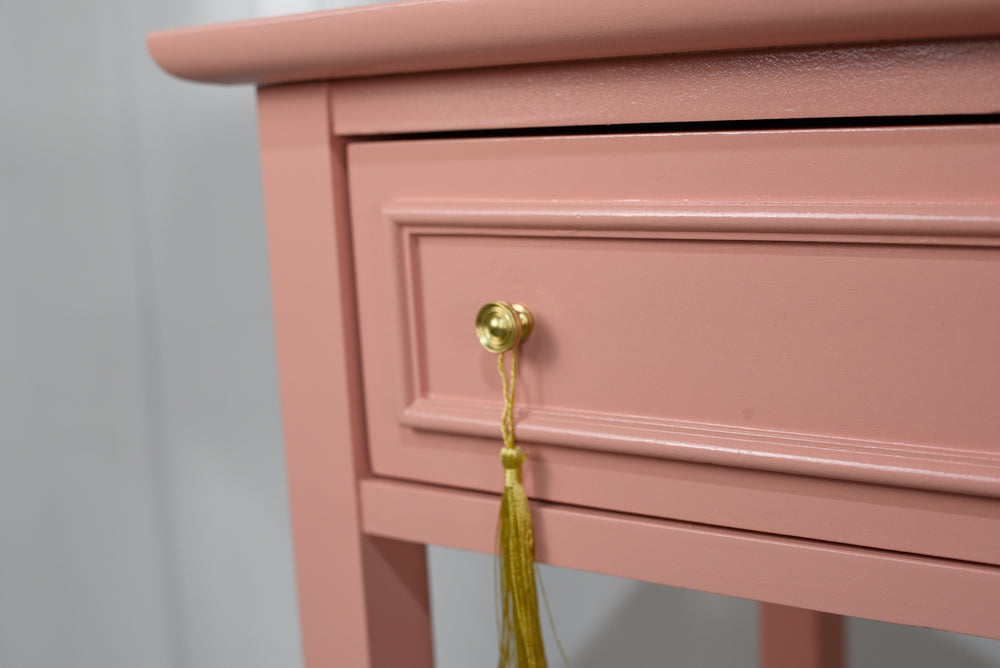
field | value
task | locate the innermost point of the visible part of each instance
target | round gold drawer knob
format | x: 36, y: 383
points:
x: 501, y: 326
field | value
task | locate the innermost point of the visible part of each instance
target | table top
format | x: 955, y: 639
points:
x: 427, y: 35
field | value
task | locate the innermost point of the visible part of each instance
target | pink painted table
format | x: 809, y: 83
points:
x: 761, y: 247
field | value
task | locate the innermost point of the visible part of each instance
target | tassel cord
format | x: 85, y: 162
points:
x: 519, y: 628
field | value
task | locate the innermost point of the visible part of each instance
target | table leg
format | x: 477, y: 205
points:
x: 362, y: 599
x: 796, y: 638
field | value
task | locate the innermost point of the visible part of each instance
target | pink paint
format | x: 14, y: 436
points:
x: 756, y: 306
x: 803, y: 638
x: 764, y: 362
x: 363, y: 600
x: 838, y: 579
x: 961, y: 76
x: 427, y: 35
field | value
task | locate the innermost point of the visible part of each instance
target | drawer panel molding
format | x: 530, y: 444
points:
x: 829, y: 235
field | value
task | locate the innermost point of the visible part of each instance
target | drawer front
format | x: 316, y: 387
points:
x: 753, y: 329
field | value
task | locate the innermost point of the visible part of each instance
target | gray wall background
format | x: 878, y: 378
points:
x: 143, y: 513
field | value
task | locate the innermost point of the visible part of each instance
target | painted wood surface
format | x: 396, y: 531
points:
x: 764, y: 360
x: 427, y: 35
x: 363, y: 600
x: 730, y: 347
x: 922, y: 78
x: 838, y: 579
x: 797, y: 638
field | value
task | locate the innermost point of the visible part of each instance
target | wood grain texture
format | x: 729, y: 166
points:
x: 955, y: 77
x: 836, y: 579
x: 426, y: 35
x: 363, y: 601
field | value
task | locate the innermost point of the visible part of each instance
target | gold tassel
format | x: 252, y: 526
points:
x: 520, y: 631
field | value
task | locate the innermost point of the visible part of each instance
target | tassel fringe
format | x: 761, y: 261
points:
x: 520, y: 629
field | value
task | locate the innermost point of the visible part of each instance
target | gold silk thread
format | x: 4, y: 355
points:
x: 519, y: 629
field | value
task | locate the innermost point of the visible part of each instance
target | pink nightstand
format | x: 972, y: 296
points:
x: 761, y: 246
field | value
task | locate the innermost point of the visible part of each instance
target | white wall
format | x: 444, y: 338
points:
x: 143, y: 514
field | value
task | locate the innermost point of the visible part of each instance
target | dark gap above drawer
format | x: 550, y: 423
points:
x: 708, y: 126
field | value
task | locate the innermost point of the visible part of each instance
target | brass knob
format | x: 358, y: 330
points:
x: 501, y: 326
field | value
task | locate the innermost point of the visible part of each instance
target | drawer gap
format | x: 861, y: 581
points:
x: 770, y: 124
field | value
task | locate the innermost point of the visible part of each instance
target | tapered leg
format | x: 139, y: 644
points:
x: 797, y: 638
x: 362, y: 600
